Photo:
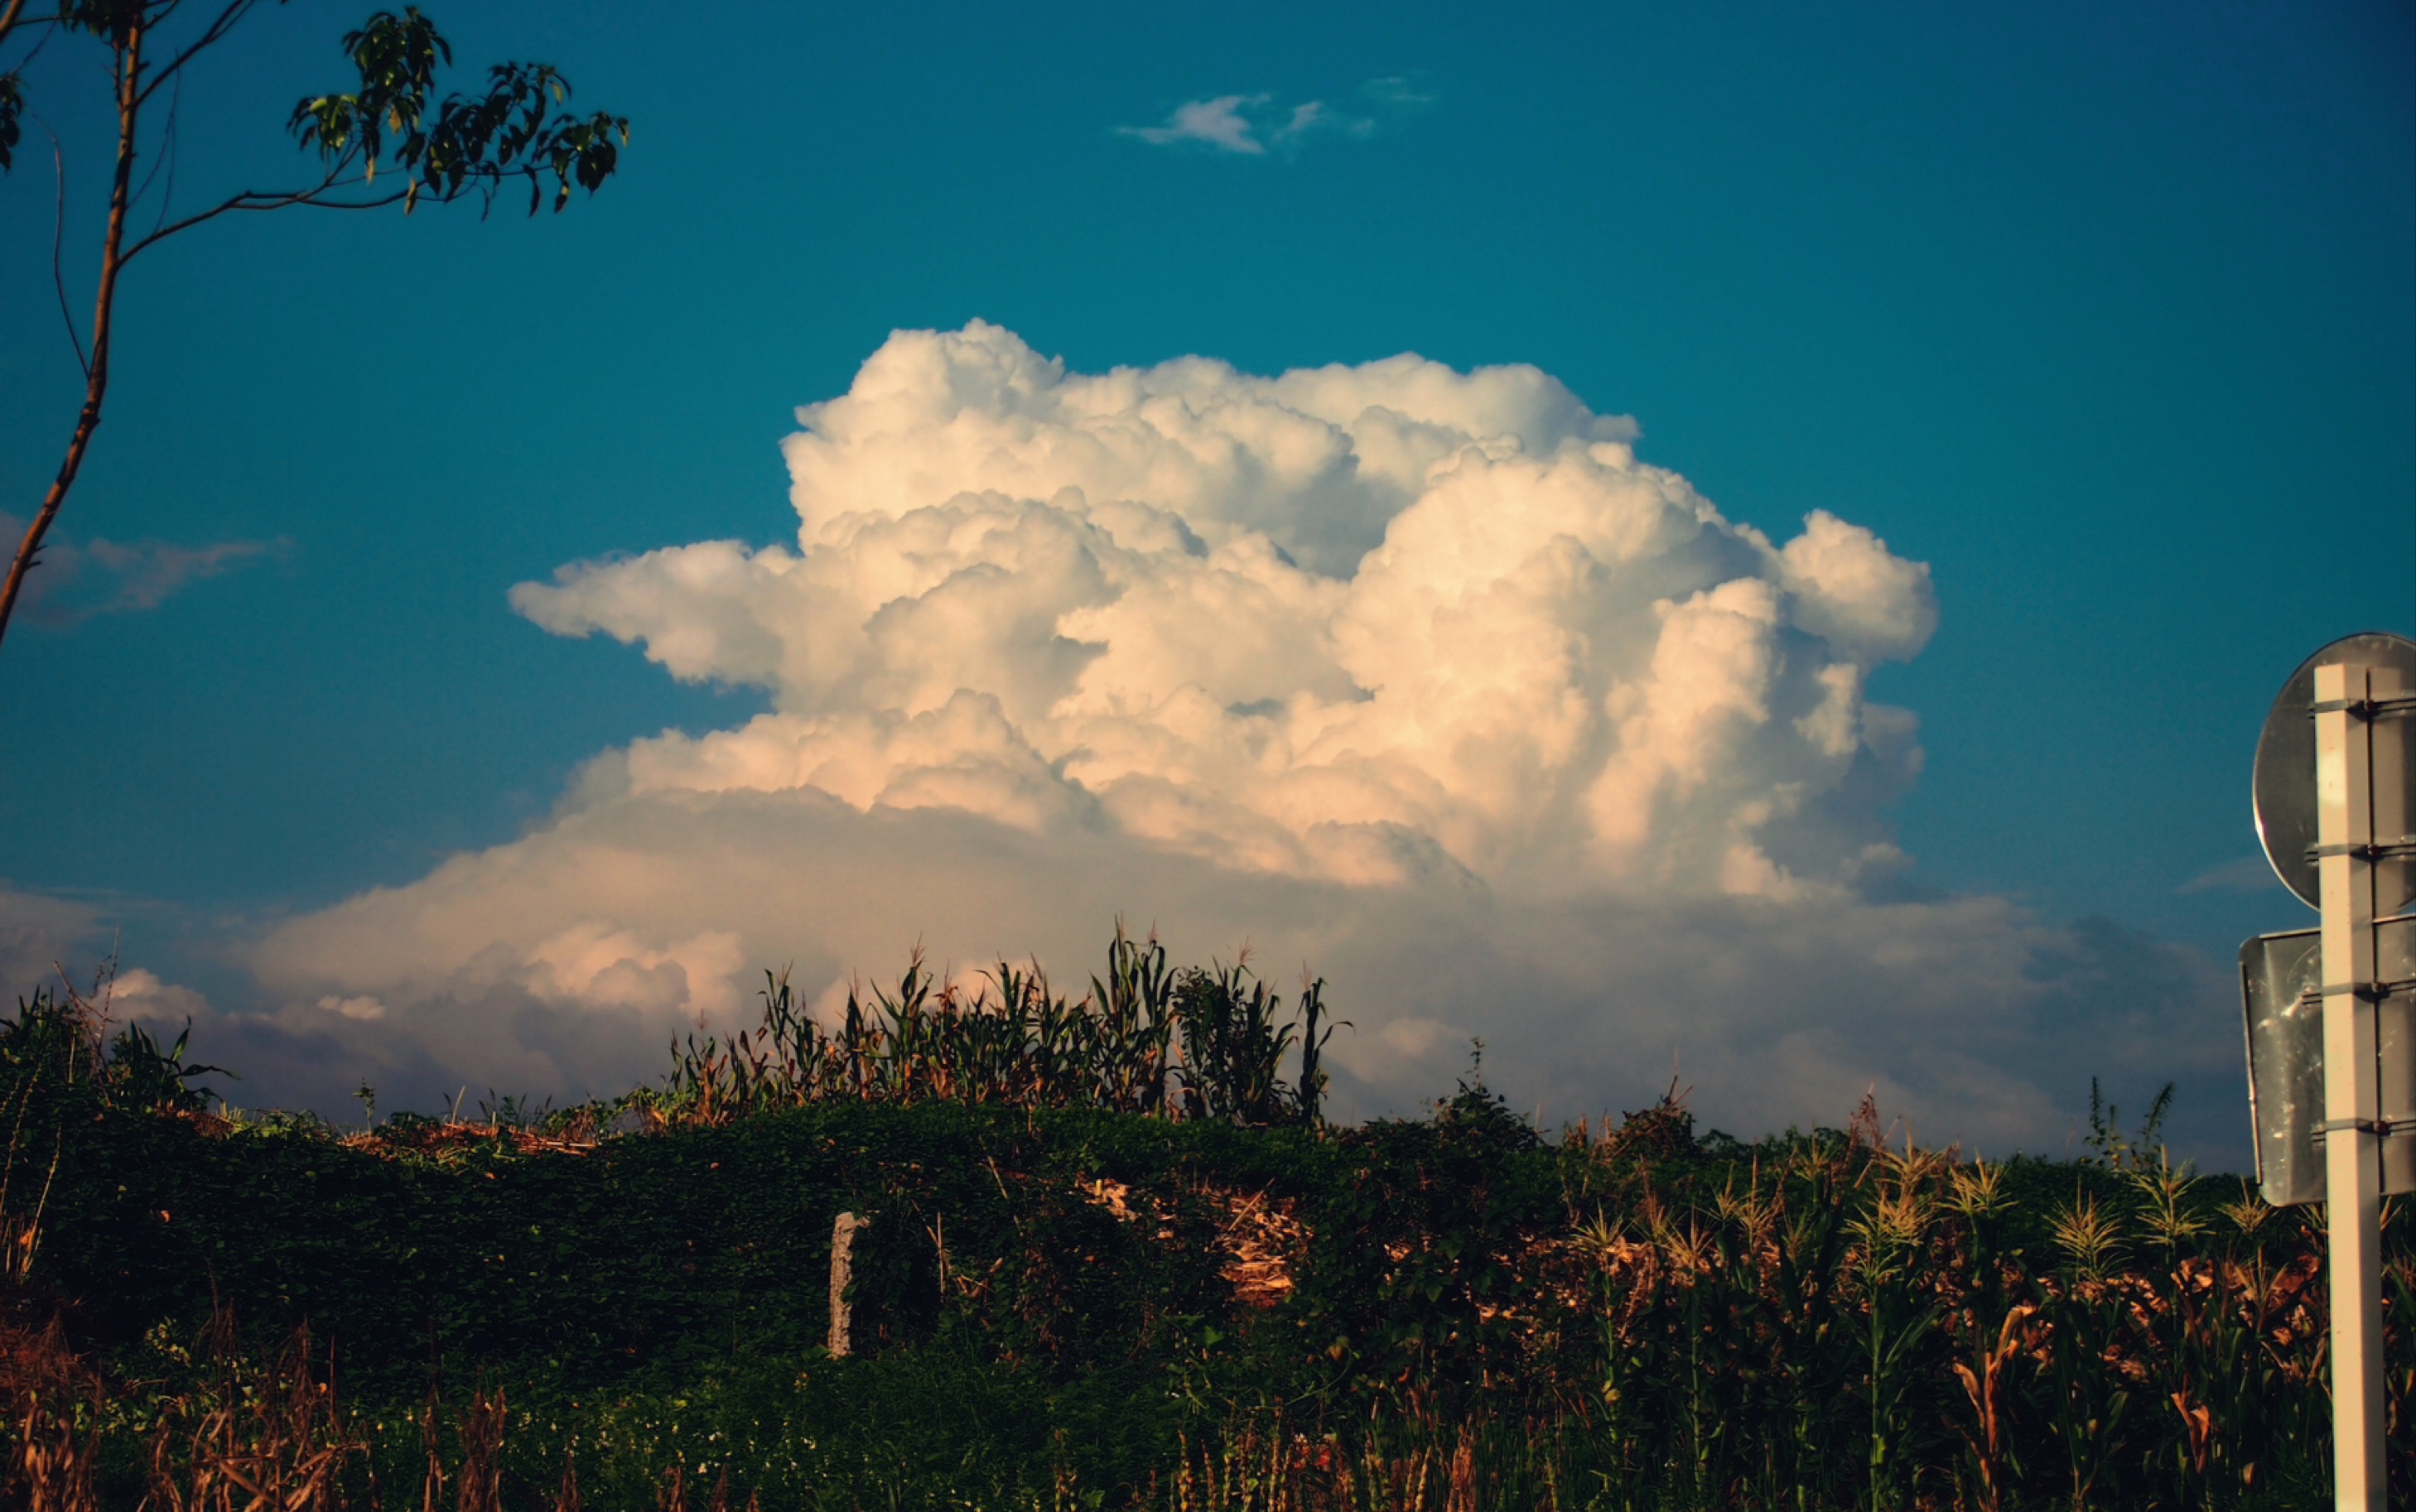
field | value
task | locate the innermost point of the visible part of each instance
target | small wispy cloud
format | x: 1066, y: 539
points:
x: 1254, y: 126
x: 75, y: 581
x: 1214, y: 123
x: 1397, y: 91
x: 2249, y: 874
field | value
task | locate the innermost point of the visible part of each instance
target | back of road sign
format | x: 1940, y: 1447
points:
x: 2278, y: 978
x: 2279, y: 975
x: 2284, y: 780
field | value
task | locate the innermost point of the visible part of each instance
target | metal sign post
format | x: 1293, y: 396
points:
x: 2345, y: 864
x: 2333, y: 1019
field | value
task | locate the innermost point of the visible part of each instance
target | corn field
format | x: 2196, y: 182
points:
x: 1197, y: 1043
x: 1116, y: 1260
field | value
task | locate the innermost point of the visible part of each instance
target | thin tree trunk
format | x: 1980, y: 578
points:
x: 129, y: 79
x: 9, y: 16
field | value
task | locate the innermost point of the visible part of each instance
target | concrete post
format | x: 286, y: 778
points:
x: 843, y: 1234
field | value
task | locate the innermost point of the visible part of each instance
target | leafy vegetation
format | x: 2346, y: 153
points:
x: 1115, y: 1259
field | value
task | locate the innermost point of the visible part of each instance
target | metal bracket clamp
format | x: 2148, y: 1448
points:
x: 2396, y: 706
x: 2372, y: 992
x: 2381, y: 1127
x: 2401, y: 849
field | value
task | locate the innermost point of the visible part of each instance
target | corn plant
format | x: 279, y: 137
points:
x: 1901, y: 1318
x: 1200, y: 1043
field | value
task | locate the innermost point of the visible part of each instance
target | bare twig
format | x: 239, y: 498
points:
x: 58, y: 239
x: 211, y: 36
x: 165, y: 157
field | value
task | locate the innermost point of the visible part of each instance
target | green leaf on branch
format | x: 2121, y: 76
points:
x: 13, y: 104
x: 464, y: 143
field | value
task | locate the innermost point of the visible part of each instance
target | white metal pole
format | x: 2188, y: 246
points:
x: 2353, y: 1150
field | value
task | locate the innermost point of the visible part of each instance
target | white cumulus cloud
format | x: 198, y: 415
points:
x: 1346, y: 624
x: 1419, y: 676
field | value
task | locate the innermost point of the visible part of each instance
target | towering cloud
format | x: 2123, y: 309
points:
x: 1357, y: 624
x: 1416, y: 674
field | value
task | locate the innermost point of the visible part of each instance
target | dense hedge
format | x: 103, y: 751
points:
x: 1070, y: 1305
x: 651, y: 1252
x: 642, y: 1253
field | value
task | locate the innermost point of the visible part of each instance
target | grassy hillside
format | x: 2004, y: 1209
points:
x: 1115, y: 1260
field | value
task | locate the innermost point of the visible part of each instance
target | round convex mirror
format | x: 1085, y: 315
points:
x: 2286, y: 763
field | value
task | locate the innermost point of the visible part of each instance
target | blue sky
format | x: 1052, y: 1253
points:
x: 2108, y: 315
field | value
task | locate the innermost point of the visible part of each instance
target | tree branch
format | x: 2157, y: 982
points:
x: 128, y: 47
x: 211, y: 36
x: 281, y: 199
